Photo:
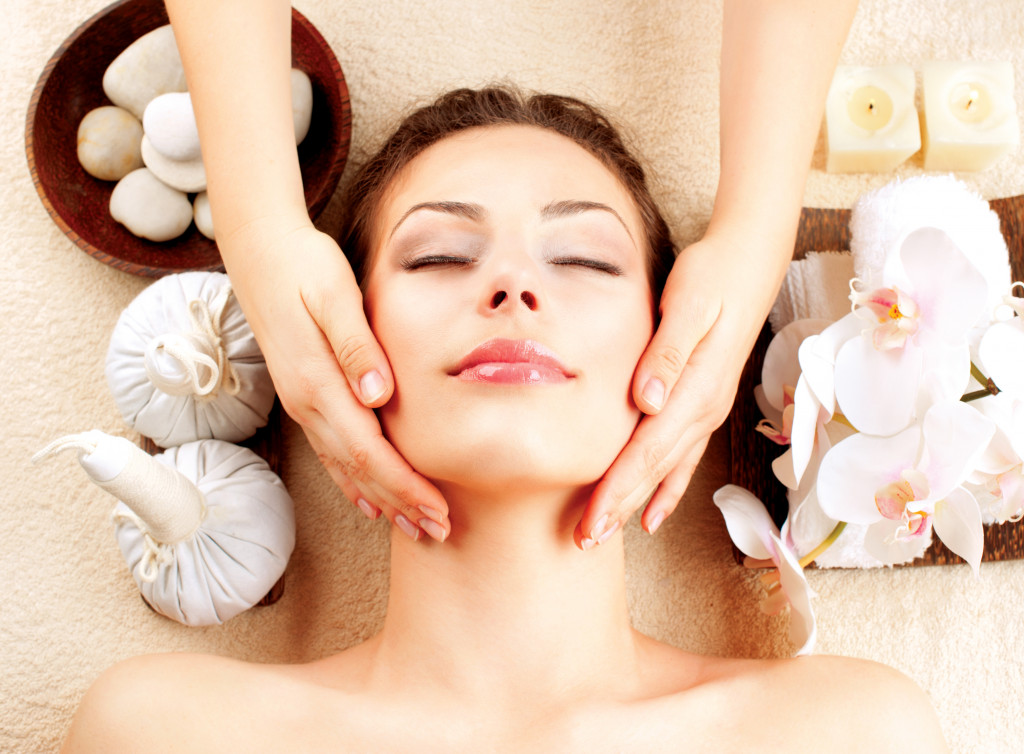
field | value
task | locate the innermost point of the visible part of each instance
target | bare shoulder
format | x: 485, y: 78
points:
x: 851, y: 705
x: 140, y: 704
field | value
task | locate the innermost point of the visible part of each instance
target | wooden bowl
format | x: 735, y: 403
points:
x: 71, y: 85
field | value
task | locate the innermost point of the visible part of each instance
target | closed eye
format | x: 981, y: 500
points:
x: 594, y: 264
x: 436, y: 260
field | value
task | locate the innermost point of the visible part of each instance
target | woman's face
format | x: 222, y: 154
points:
x: 510, y: 293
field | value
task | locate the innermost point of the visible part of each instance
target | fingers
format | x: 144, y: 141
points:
x: 339, y: 314
x: 649, y: 457
x: 379, y: 481
x: 683, y: 326
x: 670, y: 491
x: 660, y: 458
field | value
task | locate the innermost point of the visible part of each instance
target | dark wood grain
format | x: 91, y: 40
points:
x: 752, y: 454
x: 71, y: 85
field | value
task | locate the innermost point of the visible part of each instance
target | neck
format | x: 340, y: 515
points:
x: 508, y: 605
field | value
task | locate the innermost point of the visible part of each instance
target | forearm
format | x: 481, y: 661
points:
x: 237, y: 58
x: 778, y: 57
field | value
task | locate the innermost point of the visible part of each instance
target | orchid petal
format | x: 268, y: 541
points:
x: 1014, y: 429
x: 881, y: 543
x: 806, y: 414
x: 781, y: 366
x: 817, y: 356
x: 949, y: 290
x: 945, y: 374
x: 1011, y: 487
x: 854, y: 469
x: 802, y: 625
x: 1000, y: 455
x: 782, y: 467
x: 750, y: 527
x: 956, y: 436
x: 957, y: 522
x: 836, y: 432
x: 876, y: 390
x: 768, y: 411
x: 807, y: 525
x: 1002, y: 353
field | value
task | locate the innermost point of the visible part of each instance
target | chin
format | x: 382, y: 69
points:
x: 499, y: 452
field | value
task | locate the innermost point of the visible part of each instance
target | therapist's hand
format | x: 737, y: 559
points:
x: 715, y: 301
x: 301, y: 298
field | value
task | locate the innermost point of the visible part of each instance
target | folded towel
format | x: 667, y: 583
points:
x: 816, y: 287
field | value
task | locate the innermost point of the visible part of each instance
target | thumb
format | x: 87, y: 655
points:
x: 340, y: 316
x: 681, y: 330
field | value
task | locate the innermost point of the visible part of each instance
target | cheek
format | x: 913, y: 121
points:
x: 411, y: 330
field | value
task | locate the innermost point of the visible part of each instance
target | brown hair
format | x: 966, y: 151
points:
x: 468, y: 108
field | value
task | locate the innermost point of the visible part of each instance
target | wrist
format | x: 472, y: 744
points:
x: 259, y: 235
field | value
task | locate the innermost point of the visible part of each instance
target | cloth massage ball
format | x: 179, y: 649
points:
x: 206, y: 528
x: 183, y: 363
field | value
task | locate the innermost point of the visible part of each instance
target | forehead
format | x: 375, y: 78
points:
x: 498, y: 165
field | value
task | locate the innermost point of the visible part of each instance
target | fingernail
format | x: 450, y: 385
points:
x: 607, y: 535
x: 656, y: 522
x: 654, y: 393
x: 408, y: 527
x: 432, y: 528
x: 371, y: 511
x: 598, y: 529
x: 371, y: 385
x: 587, y: 543
x: 433, y: 515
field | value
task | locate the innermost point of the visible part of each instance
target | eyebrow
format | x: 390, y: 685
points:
x: 472, y: 212
x: 576, y: 207
x: 476, y: 213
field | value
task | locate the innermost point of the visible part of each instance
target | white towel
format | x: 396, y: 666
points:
x: 816, y: 287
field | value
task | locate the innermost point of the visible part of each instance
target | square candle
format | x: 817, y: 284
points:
x: 871, y: 123
x: 970, y: 115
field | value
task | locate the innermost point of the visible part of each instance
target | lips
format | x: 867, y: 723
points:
x: 512, y: 362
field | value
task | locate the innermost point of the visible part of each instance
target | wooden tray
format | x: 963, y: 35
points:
x: 752, y: 454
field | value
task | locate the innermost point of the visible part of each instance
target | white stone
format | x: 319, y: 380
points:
x: 202, y: 215
x: 148, y: 67
x: 149, y: 208
x: 302, y: 104
x: 109, y: 143
x: 170, y: 125
x: 184, y: 175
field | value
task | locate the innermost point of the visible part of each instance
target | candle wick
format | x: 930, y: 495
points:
x: 871, y: 106
x: 971, y: 98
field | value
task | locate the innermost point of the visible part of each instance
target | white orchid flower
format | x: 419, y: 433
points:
x: 792, y: 412
x: 904, y: 485
x: 755, y: 534
x: 998, y: 480
x: 915, y: 351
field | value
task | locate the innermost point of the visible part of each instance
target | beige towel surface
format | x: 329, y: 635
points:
x: 68, y: 607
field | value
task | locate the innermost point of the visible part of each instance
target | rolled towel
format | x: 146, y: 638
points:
x: 882, y: 217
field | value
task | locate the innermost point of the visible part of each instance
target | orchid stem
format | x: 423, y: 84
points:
x: 842, y: 420
x: 810, y: 557
x: 989, y: 388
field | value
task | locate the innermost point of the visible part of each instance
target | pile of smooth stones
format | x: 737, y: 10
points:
x: 147, y: 140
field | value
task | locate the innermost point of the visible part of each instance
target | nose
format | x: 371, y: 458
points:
x: 513, y: 284
x: 502, y: 297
